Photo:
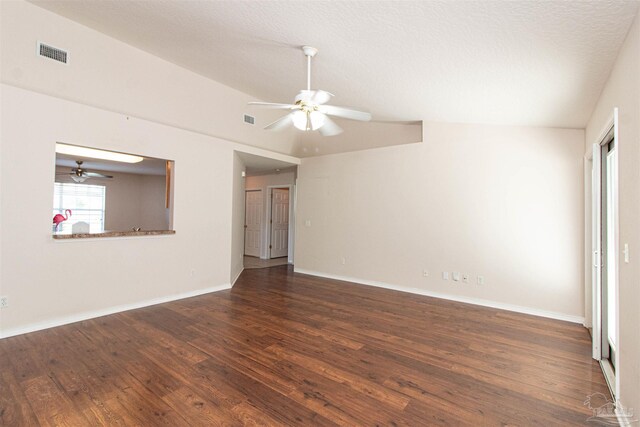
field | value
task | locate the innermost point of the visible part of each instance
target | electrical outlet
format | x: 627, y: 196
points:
x: 445, y: 275
x: 480, y: 280
x: 465, y: 278
x: 425, y: 273
x: 4, y: 302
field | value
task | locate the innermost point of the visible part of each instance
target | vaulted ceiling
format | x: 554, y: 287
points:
x: 540, y: 63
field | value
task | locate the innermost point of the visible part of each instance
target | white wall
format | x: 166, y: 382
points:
x: 47, y: 279
x: 50, y: 281
x: 357, y: 136
x: 237, y: 214
x: 106, y: 73
x: 264, y: 182
x: 623, y: 91
x: 112, y: 75
x: 501, y: 202
x: 153, y: 210
x: 115, y: 87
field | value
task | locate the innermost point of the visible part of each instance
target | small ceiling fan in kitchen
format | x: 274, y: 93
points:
x: 310, y: 110
x: 80, y: 174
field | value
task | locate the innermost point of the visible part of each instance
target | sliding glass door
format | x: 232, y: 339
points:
x: 605, y: 253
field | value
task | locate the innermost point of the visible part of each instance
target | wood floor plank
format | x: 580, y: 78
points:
x: 15, y: 409
x: 282, y: 348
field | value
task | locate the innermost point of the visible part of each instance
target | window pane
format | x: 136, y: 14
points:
x: 86, y: 203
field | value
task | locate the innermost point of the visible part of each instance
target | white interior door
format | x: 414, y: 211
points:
x: 279, y: 222
x: 253, y: 215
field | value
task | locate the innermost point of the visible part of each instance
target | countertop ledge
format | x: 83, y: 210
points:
x: 112, y: 234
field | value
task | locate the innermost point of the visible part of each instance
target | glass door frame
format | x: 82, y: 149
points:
x: 602, y: 240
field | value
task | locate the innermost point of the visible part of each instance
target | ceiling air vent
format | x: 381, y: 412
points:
x: 53, y: 53
x: 250, y: 120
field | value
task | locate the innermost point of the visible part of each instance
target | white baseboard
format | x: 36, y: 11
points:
x: 233, y: 282
x: 104, y: 312
x: 468, y: 300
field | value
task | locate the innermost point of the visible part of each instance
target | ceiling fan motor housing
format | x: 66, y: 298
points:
x: 309, y: 51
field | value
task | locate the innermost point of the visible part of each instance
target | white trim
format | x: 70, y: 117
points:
x: 106, y: 311
x: 235, y: 279
x: 609, y: 375
x: 616, y: 245
x: 457, y: 298
x: 588, y: 237
x: 596, y: 247
x: 611, y: 123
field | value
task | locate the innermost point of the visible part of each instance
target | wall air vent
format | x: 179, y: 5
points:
x: 250, y: 120
x: 53, y: 53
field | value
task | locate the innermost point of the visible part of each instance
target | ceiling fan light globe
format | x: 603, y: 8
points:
x: 299, y: 119
x: 317, y: 120
x: 78, y: 178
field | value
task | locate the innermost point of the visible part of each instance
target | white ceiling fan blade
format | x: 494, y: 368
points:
x: 281, y: 122
x: 304, y: 95
x: 320, y: 96
x: 95, y: 175
x: 345, y: 113
x: 273, y: 105
x: 316, y: 97
x: 329, y: 128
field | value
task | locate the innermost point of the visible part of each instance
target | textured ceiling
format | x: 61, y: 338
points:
x: 540, y: 63
x: 258, y: 165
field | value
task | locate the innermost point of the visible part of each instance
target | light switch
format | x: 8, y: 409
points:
x: 456, y: 276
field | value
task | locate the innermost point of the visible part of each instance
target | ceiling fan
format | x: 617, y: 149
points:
x: 310, y: 111
x: 80, y: 174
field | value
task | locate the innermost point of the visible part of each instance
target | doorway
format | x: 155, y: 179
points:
x: 255, y: 178
x: 604, y: 183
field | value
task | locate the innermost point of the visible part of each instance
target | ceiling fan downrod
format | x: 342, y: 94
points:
x: 309, y: 52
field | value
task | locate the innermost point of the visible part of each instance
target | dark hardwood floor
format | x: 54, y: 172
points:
x: 289, y: 349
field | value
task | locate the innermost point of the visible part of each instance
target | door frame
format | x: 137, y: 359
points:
x: 595, y: 226
x: 244, y: 239
x: 588, y: 243
x: 291, y: 236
